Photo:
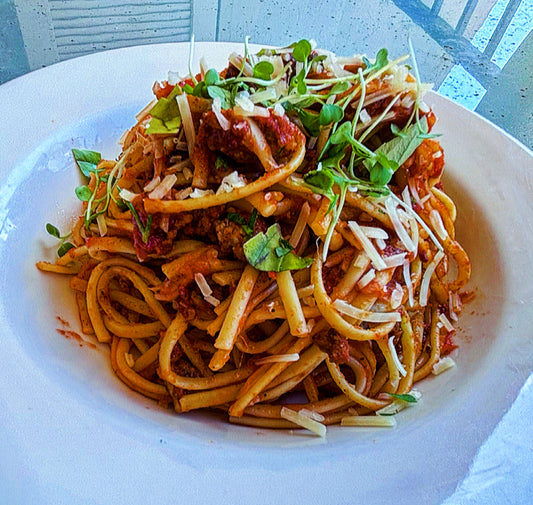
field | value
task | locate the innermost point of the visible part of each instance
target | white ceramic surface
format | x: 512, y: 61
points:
x: 72, y: 433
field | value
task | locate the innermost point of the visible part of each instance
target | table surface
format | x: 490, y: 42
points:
x: 477, y: 52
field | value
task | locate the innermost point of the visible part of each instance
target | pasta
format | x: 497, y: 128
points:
x: 274, y: 241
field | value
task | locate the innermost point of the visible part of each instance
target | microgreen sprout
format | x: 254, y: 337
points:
x: 64, y: 245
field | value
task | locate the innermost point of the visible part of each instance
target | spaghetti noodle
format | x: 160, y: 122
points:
x: 274, y: 241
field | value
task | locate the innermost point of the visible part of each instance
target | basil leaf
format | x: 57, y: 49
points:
x: 52, y: 230
x: 284, y: 248
x: 260, y: 252
x: 92, y: 157
x: 86, y: 160
x: 165, y: 114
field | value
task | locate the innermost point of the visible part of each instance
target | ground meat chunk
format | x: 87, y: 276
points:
x: 335, y: 345
x: 231, y: 238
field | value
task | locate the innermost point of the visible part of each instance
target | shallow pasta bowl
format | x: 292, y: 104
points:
x: 76, y: 434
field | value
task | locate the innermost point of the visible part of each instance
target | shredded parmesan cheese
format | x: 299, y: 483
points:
x: 366, y: 279
x: 443, y: 365
x: 163, y: 188
x: 365, y: 315
x: 396, y: 297
x: 216, y: 107
x: 312, y: 415
x: 278, y: 358
x: 365, y: 117
x: 202, y: 284
x: 395, y: 357
x: 186, y: 118
x: 390, y: 206
x: 205, y: 289
x: 370, y: 250
x: 152, y: 184
x: 408, y: 283
x: 279, y: 110
x: 303, y: 421
x: 426, y: 278
x: 374, y: 232
x: 212, y: 300
x: 127, y: 195
x: 230, y: 182
x: 446, y: 323
x: 395, y: 260
x: 199, y: 193
x: 437, y: 224
x: 102, y: 225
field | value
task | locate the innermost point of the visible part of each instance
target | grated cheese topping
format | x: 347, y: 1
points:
x: 426, y: 278
x: 395, y: 357
x: 230, y: 182
x: 392, y: 211
x: 127, y: 195
x: 366, y: 279
x: 163, y: 187
x: 303, y: 421
x: 368, y: 247
x: 443, y: 365
x: 278, y: 358
x: 365, y: 315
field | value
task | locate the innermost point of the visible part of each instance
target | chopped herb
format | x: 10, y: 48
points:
x: 261, y: 252
x: 86, y: 160
x: 165, y: 114
x: 221, y: 162
x: 248, y: 227
x: 284, y: 248
x: 405, y: 398
x: 144, y: 229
